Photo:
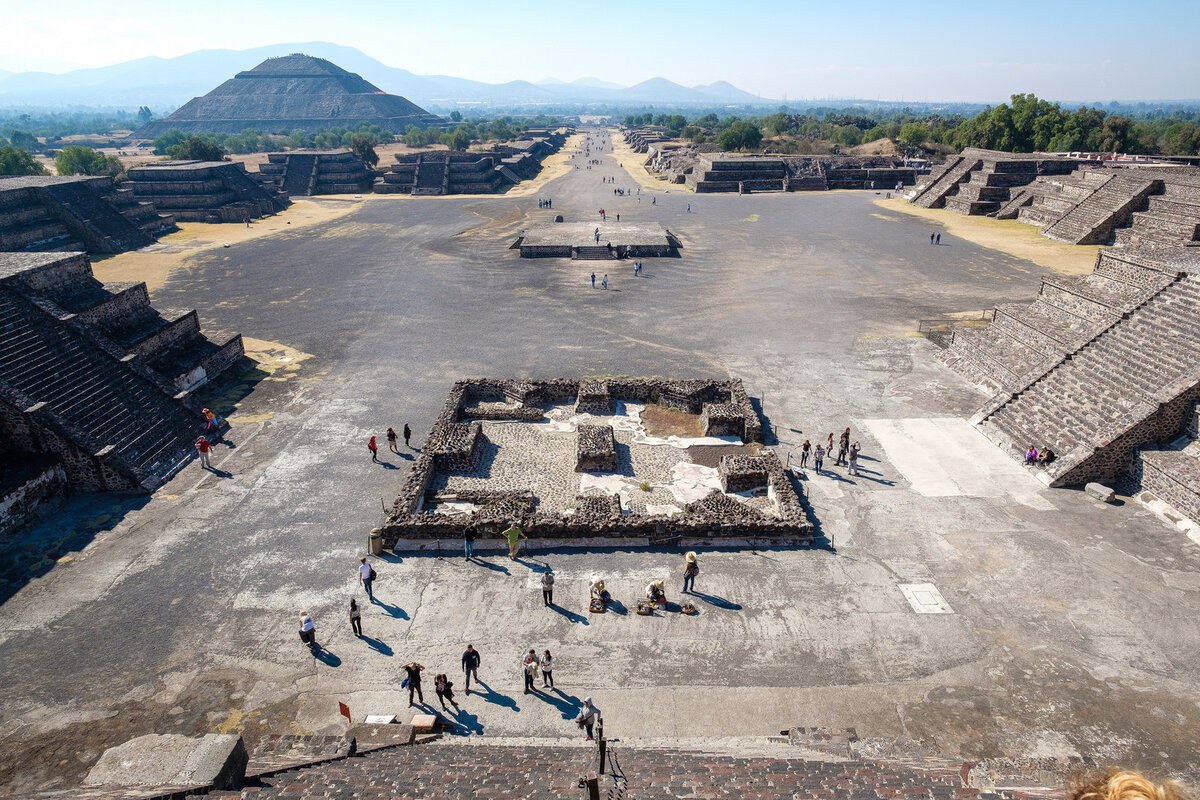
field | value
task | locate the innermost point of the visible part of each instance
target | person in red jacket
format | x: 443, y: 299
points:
x: 203, y: 447
x: 374, y: 448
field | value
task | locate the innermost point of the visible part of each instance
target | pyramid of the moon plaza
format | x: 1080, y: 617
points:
x: 290, y: 93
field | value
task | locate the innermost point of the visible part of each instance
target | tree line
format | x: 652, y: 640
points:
x: 1025, y: 124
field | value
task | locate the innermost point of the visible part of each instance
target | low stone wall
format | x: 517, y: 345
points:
x: 594, y: 518
x: 23, y: 503
x: 742, y: 473
x: 1172, y: 477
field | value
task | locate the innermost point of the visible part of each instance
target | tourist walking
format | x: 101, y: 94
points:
x: 355, y: 617
x: 547, y: 670
x: 931, y: 238
x: 938, y: 240
x: 548, y: 588
x: 204, y: 447
x: 529, y: 666
x: 413, y: 680
x: 391, y: 437
x: 308, y: 631
x: 514, y: 535
x: 407, y: 436
x: 605, y: 280
x: 444, y: 689
x: 829, y: 444
x: 818, y: 458
x: 691, y: 568
x: 374, y: 448
x: 805, y: 449
x: 587, y: 717
x: 469, y: 541
x: 470, y: 666
x: 854, y: 459
x: 210, y: 420
x: 594, y: 276
x: 366, y: 576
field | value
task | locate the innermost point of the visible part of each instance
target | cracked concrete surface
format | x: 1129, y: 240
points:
x: 1074, y: 628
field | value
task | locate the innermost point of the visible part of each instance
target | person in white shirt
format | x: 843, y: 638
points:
x: 530, y: 665
x: 366, y: 575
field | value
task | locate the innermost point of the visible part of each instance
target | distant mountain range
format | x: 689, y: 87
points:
x: 167, y: 83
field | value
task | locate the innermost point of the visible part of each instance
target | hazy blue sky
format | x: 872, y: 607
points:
x: 914, y: 50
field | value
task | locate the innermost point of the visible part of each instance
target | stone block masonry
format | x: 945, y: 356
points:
x: 455, y: 442
x: 595, y: 449
x: 743, y: 473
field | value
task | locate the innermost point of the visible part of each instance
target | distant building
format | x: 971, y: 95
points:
x: 292, y: 93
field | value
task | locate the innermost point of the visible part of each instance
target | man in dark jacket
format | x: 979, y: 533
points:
x: 470, y: 665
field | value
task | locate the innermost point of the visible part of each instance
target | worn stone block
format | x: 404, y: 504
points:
x: 595, y: 449
x: 721, y: 419
x: 742, y: 473
x: 216, y: 760
x: 1100, y: 492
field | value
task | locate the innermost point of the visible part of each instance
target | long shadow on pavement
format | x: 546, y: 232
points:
x: 377, y: 645
x: 497, y: 699
x: 390, y: 610
x: 570, y: 615
x: 716, y: 600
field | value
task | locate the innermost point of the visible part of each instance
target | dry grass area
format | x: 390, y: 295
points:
x: 660, y: 421
x: 631, y: 162
x: 555, y: 166
x: 154, y: 264
x: 1006, y: 235
x: 879, y: 147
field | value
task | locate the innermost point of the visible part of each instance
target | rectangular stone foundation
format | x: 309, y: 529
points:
x: 592, y: 520
x: 593, y: 398
x: 721, y: 419
x: 595, y: 449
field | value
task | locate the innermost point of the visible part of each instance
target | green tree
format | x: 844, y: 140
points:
x: 196, y: 148
x: 168, y: 140
x: 1114, y: 134
x: 740, y: 135
x: 24, y: 140
x: 455, y: 116
x: 145, y: 114
x: 16, y: 161
x: 913, y: 134
x: 360, y: 145
x: 77, y: 160
x: 458, y: 139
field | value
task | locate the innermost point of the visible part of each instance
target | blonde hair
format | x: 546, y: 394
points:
x: 1122, y: 785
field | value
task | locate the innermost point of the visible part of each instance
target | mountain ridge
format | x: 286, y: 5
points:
x: 171, y: 82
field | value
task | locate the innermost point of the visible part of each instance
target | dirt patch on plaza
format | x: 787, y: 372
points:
x: 555, y: 166
x: 664, y: 422
x: 632, y: 162
x: 1006, y: 235
x: 710, y: 455
x: 153, y: 264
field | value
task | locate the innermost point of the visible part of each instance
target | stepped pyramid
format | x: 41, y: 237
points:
x: 294, y: 93
x: 94, y: 377
x: 1097, y: 368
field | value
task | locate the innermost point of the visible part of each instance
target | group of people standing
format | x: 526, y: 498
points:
x: 373, y: 447
x: 847, y: 453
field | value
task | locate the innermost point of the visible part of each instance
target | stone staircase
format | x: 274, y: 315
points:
x: 1024, y: 341
x: 1171, y: 473
x: 89, y: 397
x: 1129, y: 385
x: 1106, y: 208
x: 432, y: 176
x: 592, y: 253
x: 932, y: 194
x: 299, y: 176
x: 1171, y: 219
x: 1052, y: 196
x: 96, y: 223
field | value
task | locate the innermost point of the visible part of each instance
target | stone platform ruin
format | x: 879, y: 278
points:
x: 301, y: 173
x: 96, y: 379
x: 205, y: 191
x: 442, y: 172
x: 44, y: 213
x: 1103, y: 369
x: 573, y: 462
x: 577, y: 240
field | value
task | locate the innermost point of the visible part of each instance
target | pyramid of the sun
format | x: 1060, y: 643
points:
x: 291, y: 93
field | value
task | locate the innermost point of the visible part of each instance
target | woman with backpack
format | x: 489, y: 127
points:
x: 691, y: 568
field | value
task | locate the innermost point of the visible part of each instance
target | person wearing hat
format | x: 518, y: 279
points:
x: 599, y: 592
x: 587, y: 717
x: 690, y: 570
x: 656, y: 593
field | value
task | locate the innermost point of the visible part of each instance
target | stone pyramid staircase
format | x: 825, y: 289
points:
x: 91, y: 374
x: 1024, y: 341
x: 1109, y: 206
x: 299, y: 176
x: 1129, y: 385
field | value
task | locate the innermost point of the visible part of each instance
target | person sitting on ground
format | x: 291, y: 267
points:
x: 655, y: 593
x: 1047, y: 456
x: 599, y: 592
x: 1031, y: 455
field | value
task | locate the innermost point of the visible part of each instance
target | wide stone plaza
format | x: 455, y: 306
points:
x: 949, y: 596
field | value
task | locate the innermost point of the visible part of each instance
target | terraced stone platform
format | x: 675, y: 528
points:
x: 577, y: 240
